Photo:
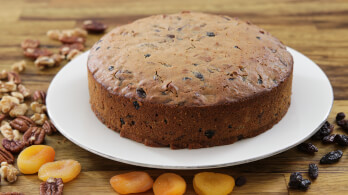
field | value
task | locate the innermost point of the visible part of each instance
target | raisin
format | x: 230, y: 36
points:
x: 136, y: 105
x: 304, y: 185
x: 325, y: 130
x: 97, y: 48
x: 340, y: 116
x: 111, y: 68
x: 210, y: 34
x: 141, y: 93
x: 195, y: 64
x: 313, y: 171
x: 209, y: 133
x: 259, y: 80
x: 307, y: 148
x: 147, y: 55
x: 295, y: 180
x: 240, y: 181
x: 198, y: 75
x: 341, y: 140
x: 331, y: 157
x: 343, y: 124
x: 329, y: 139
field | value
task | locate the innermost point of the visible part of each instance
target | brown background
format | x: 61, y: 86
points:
x: 318, y: 29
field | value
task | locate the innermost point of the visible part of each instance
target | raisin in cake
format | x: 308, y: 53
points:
x: 189, y: 80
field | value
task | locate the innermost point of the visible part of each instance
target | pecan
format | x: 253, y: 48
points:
x: 14, y: 77
x: 66, y: 48
x: 22, y: 123
x: 11, y: 193
x: 40, y: 96
x: 6, y: 156
x: 12, y: 145
x: 94, y: 27
x: 52, y: 186
x: 34, y: 53
x: 34, y: 136
x: 49, y: 127
x: 72, y: 39
x: 29, y: 43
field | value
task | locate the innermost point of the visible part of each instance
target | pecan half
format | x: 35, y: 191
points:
x: 40, y: 96
x: 12, y: 145
x: 6, y: 156
x: 94, y: 27
x: 52, y: 186
x: 34, y: 53
x: 49, y: 127
x: 30, y: 43
x: 22, y: 123
x: 14, y: 77
x: 34, y: 136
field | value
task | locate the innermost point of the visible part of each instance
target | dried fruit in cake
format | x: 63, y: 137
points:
x: 207, y: 183
x: 32, y: 158
x: 331, y: 157
x: 169, y: 184
x: 132, y: 182
x: 313, y: 171
x: 65, y: 169
x: 307, y: 148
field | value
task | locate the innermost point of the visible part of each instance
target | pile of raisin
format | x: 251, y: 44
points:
x: 297, y: 182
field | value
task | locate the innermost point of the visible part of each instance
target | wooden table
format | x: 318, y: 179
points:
x: 319, y: 29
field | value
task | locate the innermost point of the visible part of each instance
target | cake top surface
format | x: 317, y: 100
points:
x: 189, y: 59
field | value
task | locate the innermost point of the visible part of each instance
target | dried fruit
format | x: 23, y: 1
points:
x: 341, y: 140
x: 22, y: 123
x: 329, y: 139
x: 30, y: 43
x: 297, y: 182
x: 65, y: 169
x: 141, y: 93
x: 13, y: 77
x: 34, y: 136
x: 34, y: 53
x: 8, y: 172
x: 313, y: 171
x: 39, y: 96
x: 169, y: 184
x: 94, y: 27
x: 49, y: 127
x: 340, y: 116
x: 343, y: 124
x: 240, y: 181
x: 32, y: 158
x: 39, y: 119
x: 19, y: 66
x: 307, y: 148
x: 52, y: 186
x: 65, y: 49
x: 12, y: 145
x: 207, y: 183
x: 325, y: 130
x: 6, y: 156
x: 331, y: 157
x: 132, y: 182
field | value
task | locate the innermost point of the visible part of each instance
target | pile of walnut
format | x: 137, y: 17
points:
x: 73, y: 43
x: 23, y: 124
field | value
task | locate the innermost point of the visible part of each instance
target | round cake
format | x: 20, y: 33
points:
x: 189, y: 80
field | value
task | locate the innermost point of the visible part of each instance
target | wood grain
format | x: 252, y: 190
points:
x: 319, y: 29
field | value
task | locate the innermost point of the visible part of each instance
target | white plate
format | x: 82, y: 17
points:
x: 69, y: 109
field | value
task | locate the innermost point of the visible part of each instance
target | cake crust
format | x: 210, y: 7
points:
x: 189, y: 80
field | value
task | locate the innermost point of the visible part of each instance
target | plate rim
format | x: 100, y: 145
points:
x: 171, y: 167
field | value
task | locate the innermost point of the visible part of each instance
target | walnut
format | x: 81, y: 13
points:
x: 34, y: 135
x: 53, y: 34
x: 18, y: 95
x: 18, y: 110
x: 72, y: 54
x: 19, y: 66
x: 30, y: 43
x: 23, y: 90
x: 52, y: 186
x: 57, y: 58
x: 7, y: 131
x: 43, y: 62
x: 76, y: 32
x: 37, y: 107
x: 40, y: 96
x: 34, y: 53
x: 14, y: 77
x: 39, y: 119
x: 3, y: 74
x: 7, y: 103
x: 8, y: 172
x: 22, y: 123
x: 13, y: 146
x: 49, y: 127
x: 8, y: 86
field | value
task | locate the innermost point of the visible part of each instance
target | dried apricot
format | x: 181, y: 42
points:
x: 169, y: 184
x: 132, y: 182
x: 65, y: 169
x: 207, y: 183
x: 32, y: 158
